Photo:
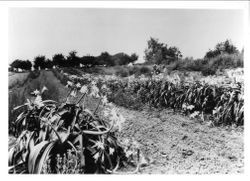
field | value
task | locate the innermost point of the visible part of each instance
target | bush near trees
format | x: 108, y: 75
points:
x: 105, y: 59
x: 88, y: 60
x: 124, y: 59
x: 225, y: 47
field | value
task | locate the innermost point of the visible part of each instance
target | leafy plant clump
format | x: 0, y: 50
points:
x: 69, y: 138
x: 222, y: 102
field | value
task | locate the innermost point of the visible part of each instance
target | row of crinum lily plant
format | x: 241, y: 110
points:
x: 219, y: 102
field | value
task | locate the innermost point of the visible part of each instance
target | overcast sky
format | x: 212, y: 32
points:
x: 47, y: 31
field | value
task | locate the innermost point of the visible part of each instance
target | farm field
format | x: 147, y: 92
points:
x: 170, y: 141
x: 139, y: 90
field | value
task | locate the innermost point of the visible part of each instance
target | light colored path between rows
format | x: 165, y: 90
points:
x: 178, y: 145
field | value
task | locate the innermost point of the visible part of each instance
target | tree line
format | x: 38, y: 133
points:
x: 155, y: 53
x: 73, y: 60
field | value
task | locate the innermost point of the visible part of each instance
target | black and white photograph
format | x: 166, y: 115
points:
x: 120, y: 91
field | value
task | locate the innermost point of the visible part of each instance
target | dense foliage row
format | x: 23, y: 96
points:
x: 223, y: 102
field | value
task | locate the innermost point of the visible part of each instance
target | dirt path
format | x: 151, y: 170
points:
x: 177, y: 145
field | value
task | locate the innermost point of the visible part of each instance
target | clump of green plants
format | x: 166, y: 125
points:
x: 223, y: 103
x: 122, y: 72
x: 67, y: 137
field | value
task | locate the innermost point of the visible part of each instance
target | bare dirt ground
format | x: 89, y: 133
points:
x: 175, y: 144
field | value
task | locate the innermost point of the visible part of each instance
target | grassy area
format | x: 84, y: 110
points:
x: 122, y: 71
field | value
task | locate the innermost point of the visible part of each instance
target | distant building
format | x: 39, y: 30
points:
x: 130, y: 64
x: 19, y: 70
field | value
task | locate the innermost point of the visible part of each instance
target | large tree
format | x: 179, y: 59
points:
x: 105, y: 59
x: 73, y: 60
x: 133, y: 57
x: 123, y: 58
x: 22, y: 64
x: 48, y: 64
x: 26, y: 65
x: 59, y: 60
x: 16, y: 64
x: 40, y: 62
x: 88, y: 60
x: 159, y: 53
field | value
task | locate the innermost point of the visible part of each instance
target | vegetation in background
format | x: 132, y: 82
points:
x: 40, y: 62
x: 225, y: 47
x: 225, y: 55
x: 208, y: 66
x: 160, y: 53
x: 73, y: 60
x: 25, y: 65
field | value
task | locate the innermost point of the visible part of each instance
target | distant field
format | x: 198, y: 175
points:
x: 17, y: 78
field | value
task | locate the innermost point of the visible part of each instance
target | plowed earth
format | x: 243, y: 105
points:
x: 174, y: 144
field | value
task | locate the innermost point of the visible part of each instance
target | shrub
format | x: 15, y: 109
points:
x: 208, y: 71
x: 226, y: 61
x: 145, y: 70
x: 208, y: 66
x: 225, y: 47
x: 134, y: 70
x: 122, y: 72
